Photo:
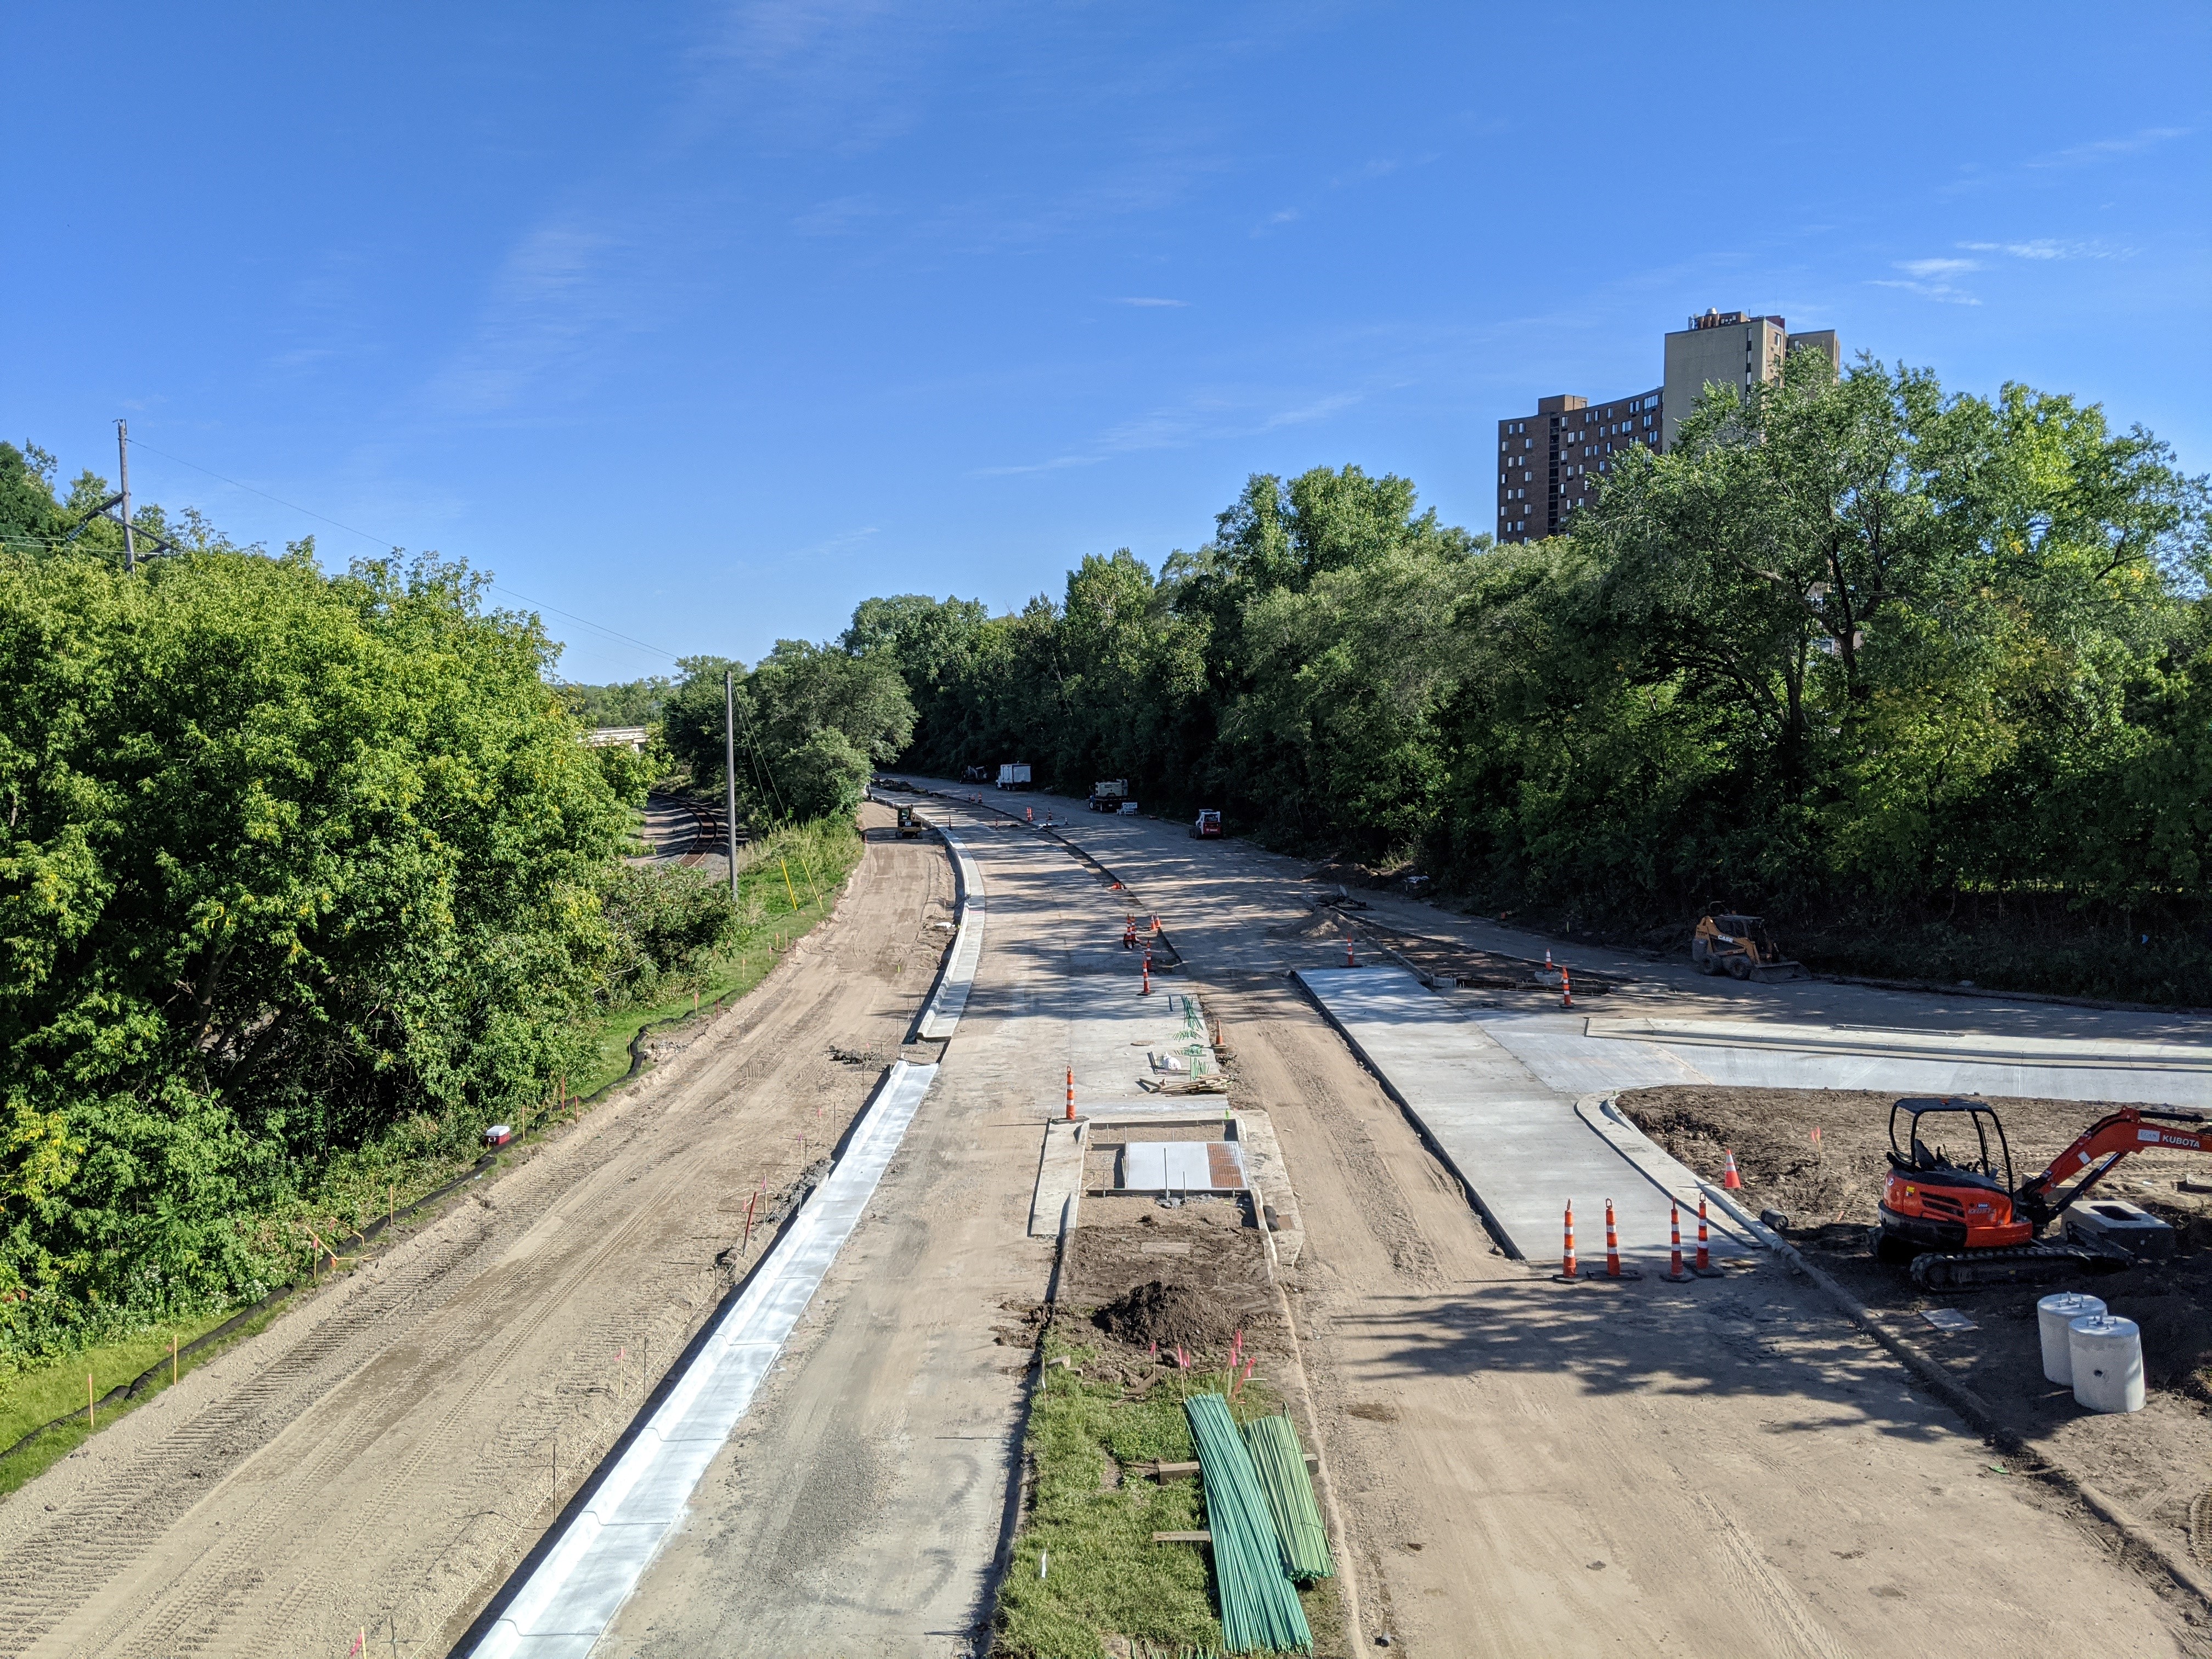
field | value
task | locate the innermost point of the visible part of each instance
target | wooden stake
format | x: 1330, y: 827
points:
x: 392, y: 1201
x: 89, y: 1423
x: 173, y: 1360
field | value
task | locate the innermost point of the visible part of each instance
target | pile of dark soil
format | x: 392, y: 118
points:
x: 1173, y: 1316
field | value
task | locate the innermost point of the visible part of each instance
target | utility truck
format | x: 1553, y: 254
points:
x: 1111, y: 795
x: 1014, y: 775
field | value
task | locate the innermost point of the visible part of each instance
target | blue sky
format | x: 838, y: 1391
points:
x: 703, y: 322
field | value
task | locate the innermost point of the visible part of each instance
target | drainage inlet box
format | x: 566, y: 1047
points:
x: 2121, y: 1225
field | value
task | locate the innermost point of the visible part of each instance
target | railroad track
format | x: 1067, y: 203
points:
x: 709, y: 836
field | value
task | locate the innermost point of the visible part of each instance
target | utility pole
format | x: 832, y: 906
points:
x: 730, y: 770
x: 123, y: 453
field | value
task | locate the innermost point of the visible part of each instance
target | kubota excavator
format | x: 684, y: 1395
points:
x: 1962, y: 1223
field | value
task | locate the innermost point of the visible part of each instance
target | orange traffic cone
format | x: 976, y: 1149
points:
x: 1071, y: 1094
x: 1612, y: 1244
x: 1675, y: 1274
x: 1731, y: 1180
x: 1349, y: 960
x: 1029, y: 814
x: 1567, y: 1261
x: 1705, y: 1268
x: 1547, y: 957
x: 1566, y: 989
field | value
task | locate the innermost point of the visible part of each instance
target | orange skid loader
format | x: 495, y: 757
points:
x: 1741, y: 947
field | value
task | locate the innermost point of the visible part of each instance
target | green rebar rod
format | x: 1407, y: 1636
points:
x: 1281, y: 1463
x: 1259, y: 1604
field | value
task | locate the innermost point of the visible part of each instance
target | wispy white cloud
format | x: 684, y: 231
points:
x: 555, y: 298
x: 1204, y: 417
x: 1926, y: 268
x: 2104, y: 150
x: 841, y: 545
x: 841, y: 217
x: 1931, y: 279
x: 1148, y: 299
x: 2044, y: 247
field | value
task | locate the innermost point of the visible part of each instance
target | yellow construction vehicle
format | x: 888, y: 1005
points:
x: 1741, y: 947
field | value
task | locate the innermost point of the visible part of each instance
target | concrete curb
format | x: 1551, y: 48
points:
x: 1662, y: 1170
x: 1983, y: 1418
x: 948, y: 998
x: 603, y: 1548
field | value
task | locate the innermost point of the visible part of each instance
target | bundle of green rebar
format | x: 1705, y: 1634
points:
x: 1281, y: 1462
x: 1259, y: 1604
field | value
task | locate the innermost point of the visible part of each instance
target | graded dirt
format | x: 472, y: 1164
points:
x: 2157, y: 1462
x: 1723, y: 1469
x: 383, y: 1457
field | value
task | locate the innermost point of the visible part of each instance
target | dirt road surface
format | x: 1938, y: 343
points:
x: 1726, y: 1469
x: 380, y: 1459
x: 862, y: 1507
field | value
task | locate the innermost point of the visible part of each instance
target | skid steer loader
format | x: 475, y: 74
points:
x: 1741, y: 947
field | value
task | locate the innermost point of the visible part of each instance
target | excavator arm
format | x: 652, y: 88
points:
x: 2101, y: 1145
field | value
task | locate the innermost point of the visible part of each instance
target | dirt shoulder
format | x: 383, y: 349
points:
x: 2158, y: 1462
x: 383, y: 1457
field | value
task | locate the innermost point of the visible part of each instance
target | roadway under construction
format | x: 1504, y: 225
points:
x: 1727, y: 1468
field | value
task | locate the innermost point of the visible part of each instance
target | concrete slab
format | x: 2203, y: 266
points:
x: 1518, y: 1145
x: 1181, y: 1166
x: 1059, y: 1179
x: 606, y: 1548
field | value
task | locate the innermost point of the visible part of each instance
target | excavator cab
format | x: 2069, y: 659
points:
x: 1950, y: 1207
x: 1950, y: 1184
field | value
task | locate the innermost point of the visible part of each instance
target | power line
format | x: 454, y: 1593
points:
x: 385, y: 542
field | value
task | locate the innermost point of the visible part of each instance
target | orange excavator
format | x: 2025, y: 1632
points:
x: 1957, y: 1217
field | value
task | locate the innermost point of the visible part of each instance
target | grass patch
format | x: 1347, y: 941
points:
x: 809, y: 864
x: 31, y: 1398
x: 1105, y: 1576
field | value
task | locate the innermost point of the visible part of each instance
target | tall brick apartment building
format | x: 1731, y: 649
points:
x: 1549, y: 463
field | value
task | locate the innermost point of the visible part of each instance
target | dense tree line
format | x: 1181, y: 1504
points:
x: 293, y: 868
x: 1924, y: 676
x: 812, y: 724
x: 626, y: 702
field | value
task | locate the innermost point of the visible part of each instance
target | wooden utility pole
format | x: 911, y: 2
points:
x: 730, y: 771
x: 123, y: 453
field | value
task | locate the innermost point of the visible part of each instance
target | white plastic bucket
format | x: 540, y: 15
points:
x: 2053, y: 1314
x: 2106, y: 1354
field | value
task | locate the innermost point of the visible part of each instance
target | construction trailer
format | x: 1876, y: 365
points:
x: 1014, y: 775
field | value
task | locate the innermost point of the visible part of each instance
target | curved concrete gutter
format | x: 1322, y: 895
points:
x: 940, y: 1017
x: 1664, y: 1170
x: 602, y: 1552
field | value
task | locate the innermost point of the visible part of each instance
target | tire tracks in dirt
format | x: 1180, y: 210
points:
x: 384, y: 1455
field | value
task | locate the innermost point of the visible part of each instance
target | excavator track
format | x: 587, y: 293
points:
x: 2021, y: 1264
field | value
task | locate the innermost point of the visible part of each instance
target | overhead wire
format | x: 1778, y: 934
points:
x: 763, y: 773
x: 392, y: 543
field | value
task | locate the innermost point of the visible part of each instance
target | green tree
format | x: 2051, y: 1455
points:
x: 286, y: 860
